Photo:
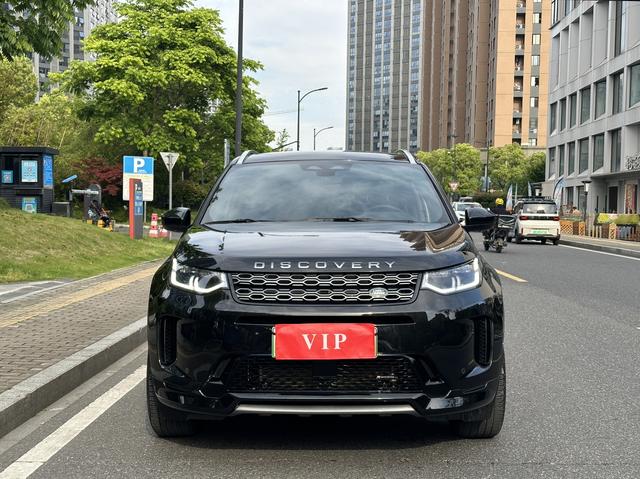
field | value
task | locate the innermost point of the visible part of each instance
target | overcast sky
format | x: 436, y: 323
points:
x: 302, y: 45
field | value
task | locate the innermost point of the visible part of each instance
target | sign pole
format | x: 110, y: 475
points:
x: 170, y: 159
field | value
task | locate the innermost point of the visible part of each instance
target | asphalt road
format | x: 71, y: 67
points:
x: 573, y: 403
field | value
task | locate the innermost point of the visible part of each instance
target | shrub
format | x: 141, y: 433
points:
x: 3, y: 204
x: 488, y: 199
x: 189, y: 193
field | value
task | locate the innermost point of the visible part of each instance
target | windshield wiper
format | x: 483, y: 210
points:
x: 237, y: 220
x: 340, y: 218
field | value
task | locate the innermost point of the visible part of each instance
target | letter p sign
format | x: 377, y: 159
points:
x: 138, y: 164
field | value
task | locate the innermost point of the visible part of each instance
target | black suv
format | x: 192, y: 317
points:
x: 326, y: 283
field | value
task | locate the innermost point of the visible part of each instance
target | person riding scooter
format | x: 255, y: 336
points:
x: 496, y: 236
x: 499, y: 208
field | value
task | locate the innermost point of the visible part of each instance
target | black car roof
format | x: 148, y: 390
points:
x: 252, y: 157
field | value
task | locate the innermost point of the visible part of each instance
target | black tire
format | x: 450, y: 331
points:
x: 509, y: 239
x: 491, y: 426
x: 165, y: 422
x: 498, y: 249
x: 486, y: 246
x: 556, y: 242
x: 543, y: 241
x: 518, y: 239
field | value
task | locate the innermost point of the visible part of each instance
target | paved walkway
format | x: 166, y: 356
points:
x: 41, y: 329
x: 631, y: 246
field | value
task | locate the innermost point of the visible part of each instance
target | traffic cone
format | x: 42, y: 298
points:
x: 153, y: 232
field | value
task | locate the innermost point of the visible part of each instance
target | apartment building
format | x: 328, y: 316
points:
x: 85, y: 20
x: 485, y: 78
x: 594, y: 104
x: 384, y: 74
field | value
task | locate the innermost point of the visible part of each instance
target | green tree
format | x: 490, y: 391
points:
x: 462, y: 163
x: 164, y: 80
x: 510, y: 165
x: 35, y: 25
x: 19, y: 84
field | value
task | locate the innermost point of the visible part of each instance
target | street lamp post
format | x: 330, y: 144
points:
x: 316, y: 133
x: 239, y: 81
x: 300, y: 98
x: 586, y: 193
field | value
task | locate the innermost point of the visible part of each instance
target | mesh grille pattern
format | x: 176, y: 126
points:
x: 324, y: 287
x: 483, y: 339
x: 383, y: 374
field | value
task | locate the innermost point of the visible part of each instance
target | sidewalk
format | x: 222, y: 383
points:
x: 625, y: 248
x: 42, y: 330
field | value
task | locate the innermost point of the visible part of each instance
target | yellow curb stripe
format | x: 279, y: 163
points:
x: 511, y: 277
x: 25, y: 313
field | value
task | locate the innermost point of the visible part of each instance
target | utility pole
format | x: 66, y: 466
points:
x: 239, y: 81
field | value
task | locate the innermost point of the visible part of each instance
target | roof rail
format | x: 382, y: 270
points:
x: 244, y: 156
x: 406, y: 154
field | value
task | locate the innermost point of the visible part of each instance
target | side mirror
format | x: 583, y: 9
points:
x: 478, y: 219
x: 177, y: 220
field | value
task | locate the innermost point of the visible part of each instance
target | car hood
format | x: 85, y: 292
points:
x: 294, y: 247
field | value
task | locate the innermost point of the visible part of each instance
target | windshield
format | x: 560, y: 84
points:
x: 466, y: 206
x: 327, y: 191
x: 540, y: 208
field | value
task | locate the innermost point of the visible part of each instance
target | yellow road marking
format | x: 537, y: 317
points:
x: 31, y: 311
x: 511, y: 277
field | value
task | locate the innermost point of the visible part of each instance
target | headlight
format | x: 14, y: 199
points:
x: 453, y: 280
x: 198, y: 281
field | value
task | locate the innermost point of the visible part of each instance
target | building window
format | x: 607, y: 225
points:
x: 561, y: 160
x: 535, y: 39
x: 534, y: 102
x: 563, y: 114
x: 573, y: 103
x: 616, y: 149
x: 535, y: 60
x: 535, y: 81
x: 598, y: 152
x: 620, y: 40
x: 537, y: 18
x: 585, y: 104
x: 634, y: 88
x: 552, y: 162
x: 552, y: 117
x: 618, y: 93
x: 601, y: 98
x: 571, y: 158
x: 584, y: 155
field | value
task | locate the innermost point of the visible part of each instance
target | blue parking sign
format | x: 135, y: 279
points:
x: 137, y: 165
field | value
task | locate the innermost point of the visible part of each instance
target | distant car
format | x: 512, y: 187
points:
x: 461, y: 206
x: 536, y: 219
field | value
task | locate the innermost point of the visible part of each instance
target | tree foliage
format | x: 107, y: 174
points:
x: 35, y: 25
x: 164, y: 80
x: 462, y: 163
x: 19, y: 84
x: 509, y: 165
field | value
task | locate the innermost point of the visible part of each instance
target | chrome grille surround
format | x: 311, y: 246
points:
x: 324, y: 287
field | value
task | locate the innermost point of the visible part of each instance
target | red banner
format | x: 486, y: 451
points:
x: 325, y: 341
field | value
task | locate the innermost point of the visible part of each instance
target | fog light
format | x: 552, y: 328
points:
x: 445, y: 403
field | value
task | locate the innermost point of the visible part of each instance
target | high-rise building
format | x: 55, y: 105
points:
x: 594, y: 104
x: 85, y: 20
x: 384, y: 74
x: 485, y: 78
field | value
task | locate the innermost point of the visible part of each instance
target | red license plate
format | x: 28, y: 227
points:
x: 325, y: 341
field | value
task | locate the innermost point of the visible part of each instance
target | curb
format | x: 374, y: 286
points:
x: 26, y: 399
x: 603, y: 248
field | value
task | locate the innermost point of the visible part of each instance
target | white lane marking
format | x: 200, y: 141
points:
x: 17, y: 288
x: 600, y: 252
x: 54, y: 442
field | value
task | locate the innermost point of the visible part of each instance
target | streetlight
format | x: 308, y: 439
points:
x: 316, y: 133
x: 586, y: 192
x: 239, y: 80
x: 300, y: 98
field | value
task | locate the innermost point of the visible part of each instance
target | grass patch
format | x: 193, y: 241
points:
x: 36, y: 247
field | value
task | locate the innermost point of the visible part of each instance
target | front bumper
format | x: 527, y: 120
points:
x: 454, y: 344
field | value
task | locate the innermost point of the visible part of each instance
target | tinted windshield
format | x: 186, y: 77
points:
x: 466, y: 206
x: 326, y: 191
x: 542, y: 208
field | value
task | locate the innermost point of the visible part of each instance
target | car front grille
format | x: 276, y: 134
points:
x: 264, y: 374
x: 325, y: 287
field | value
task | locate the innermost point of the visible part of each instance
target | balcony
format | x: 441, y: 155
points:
x: 520, y: 27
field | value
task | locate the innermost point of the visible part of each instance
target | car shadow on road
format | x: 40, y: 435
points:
x: 321, y: 432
